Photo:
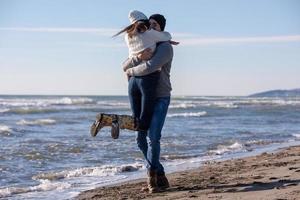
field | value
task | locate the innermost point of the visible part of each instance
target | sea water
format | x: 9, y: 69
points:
x: 46, y: 151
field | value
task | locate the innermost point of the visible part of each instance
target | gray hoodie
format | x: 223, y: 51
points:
x: 161, y: 60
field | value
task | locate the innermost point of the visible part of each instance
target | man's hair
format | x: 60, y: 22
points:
x: 160, y: 19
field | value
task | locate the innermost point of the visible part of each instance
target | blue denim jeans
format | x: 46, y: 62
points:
x: 151, y: 150
x: 141, y: 91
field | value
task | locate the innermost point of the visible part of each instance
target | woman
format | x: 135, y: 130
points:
x: 141, y: 89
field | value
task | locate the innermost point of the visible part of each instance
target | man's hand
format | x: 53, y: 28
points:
x: 174, y: 42
x: 146, y: 54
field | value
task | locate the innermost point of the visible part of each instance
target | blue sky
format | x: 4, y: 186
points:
x: 231, y: 47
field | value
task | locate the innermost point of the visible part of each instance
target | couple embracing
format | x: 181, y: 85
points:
x: 148, y: 71
x: 149, y: 87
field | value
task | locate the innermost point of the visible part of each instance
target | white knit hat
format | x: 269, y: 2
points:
x: 135, y: 16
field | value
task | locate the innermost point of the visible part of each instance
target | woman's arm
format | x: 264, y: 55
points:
x: 162, y: 55
x: 158, y: 36
x: 130, y: 62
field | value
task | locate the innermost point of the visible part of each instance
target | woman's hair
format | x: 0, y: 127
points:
x: 138, y: 27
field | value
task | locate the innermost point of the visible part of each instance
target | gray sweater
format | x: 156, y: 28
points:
x: 161, y: 60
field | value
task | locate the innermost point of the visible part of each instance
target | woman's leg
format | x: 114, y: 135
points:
x: 147, y: 86
x: 134, y: 97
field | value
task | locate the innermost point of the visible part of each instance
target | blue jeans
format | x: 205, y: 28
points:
x: 141, y: 91
x: 151, y: 151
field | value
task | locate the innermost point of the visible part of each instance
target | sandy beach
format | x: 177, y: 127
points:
x: 268, y: 176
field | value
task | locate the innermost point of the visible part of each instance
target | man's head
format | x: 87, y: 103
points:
x: 157, y: 22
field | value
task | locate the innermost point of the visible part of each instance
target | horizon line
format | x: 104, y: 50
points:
x: 175, y: 95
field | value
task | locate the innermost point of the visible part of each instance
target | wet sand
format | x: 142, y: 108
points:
x: 269, y: 176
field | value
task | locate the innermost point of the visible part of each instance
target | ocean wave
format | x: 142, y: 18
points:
x: 190, y: 114
x: 225, y: 104
x: 113, y: 103
x: 4, y: 110
x: 296, y: 135
x: 31, y: 110
x: 17, y: 102
x: 269, y: 101
x: 233, y: 103
x: 221, y: 149
x: 5, y: 129
x: 238, y: 147
x: 194, y: 104
x: 183, y: 105
x: 23, y: 102
x: 105, y: 170
x: 45, y: 185
x: 72, y: 101
x: 257, y: 142
x: 37, y: 122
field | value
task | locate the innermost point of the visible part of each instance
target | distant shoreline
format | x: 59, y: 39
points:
x: 278, y: 93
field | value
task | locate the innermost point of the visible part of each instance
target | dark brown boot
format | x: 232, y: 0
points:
x: 162, y: 181
x: 152, y: 182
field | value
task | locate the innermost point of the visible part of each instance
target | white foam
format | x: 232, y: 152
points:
x: 4, y: 110
x: 45, y: 185
x: 5, y: 129
x: 225, y: 104
x: 257, y: 142
x: 37, y: 122
x: 48, y: 185
x: 113, y: 103
x: 107, y: 170
x: 269, y: 101
x: 233, y: 102
x: 104, y: 170
x: 69, y: 101
x: 183, y: 105
x: 206, y: 103
x: 297, y: 135
x: 190, y: 114
x: 63, y: 180
x: 221, y: 149
x: 16, y: 102
x: 23, y: 102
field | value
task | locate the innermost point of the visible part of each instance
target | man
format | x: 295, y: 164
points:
x: 144, y: 64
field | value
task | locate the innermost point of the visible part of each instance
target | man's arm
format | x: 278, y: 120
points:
x: 162, y: 55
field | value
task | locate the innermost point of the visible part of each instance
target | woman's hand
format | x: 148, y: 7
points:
x: 128, y: 73
x: 127, y: 76
x: 145, y: 55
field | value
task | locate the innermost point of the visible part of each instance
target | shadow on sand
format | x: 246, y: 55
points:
x: 254, y: 186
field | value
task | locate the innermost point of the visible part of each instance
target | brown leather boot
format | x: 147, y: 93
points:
x: 152, y: 182
x: 162, y: 181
